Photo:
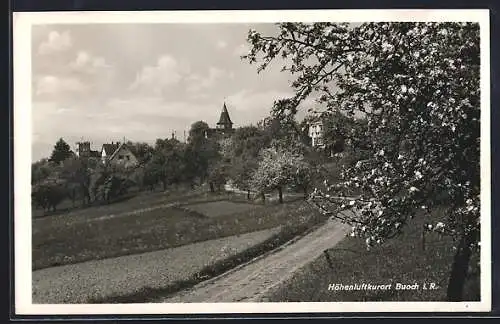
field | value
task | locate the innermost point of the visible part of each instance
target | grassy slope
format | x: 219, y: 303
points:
x: 129, y: 202
x: 129, y: 275
x: 57, y: 242
x: 399, y: 260
x: 302, y: 218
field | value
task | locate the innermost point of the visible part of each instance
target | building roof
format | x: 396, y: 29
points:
x: 110, y: 148
x: 224, y: 117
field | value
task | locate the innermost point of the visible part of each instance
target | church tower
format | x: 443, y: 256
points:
x: 225, y: 122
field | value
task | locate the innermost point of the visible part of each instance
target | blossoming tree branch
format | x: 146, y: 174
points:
x: 417, y: 85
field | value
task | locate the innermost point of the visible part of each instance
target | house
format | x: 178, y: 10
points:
x: 322, y: 129
x: 223, y: 127
x: 83, y: 150
x: 316, y: 134
x: 118, y: 153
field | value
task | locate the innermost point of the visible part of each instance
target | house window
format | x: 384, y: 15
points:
x: 120, y: 157
x: 128, y: 158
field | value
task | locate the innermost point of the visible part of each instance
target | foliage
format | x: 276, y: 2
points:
x: 278, y: 168
x: 241, y: 172
x: 49, y: 193
x: 78, y: 174
x: 247, y: 142
x: 217, y: 175
x: 197, y: 131
x: 418, y: 85
x: 142, y: 151
x: 167, y: 165
x: 61, y: 152
x: 201, y: 152
x: 41, y: 170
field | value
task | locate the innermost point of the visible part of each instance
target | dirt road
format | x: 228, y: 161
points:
x: 250, y: 282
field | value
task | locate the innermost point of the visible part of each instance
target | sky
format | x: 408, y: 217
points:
x: 140, y: 82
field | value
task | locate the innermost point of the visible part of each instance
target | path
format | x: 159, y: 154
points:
x: 250, y: 282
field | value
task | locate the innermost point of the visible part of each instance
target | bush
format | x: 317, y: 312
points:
x: 49, y: 193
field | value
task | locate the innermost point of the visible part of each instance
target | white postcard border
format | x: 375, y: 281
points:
x: 22, y: 23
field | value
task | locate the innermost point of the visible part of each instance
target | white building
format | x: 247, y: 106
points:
x: 316, y: 134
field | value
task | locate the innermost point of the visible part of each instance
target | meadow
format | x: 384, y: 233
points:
x: 152, y: 223
x: 406, y: 259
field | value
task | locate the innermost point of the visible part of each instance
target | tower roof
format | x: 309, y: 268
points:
x: 224, y: 117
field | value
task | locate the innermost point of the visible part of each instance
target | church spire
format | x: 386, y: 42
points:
x: 224, y: 120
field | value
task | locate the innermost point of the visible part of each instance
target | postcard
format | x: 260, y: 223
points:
x: 214, y: 162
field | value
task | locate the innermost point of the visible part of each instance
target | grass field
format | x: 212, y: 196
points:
x: 127, y: 275
x: 66, y: 239
x: 129, y: 202
x: 401, y: 260
x: 302, y: 218
x: 221, y: 208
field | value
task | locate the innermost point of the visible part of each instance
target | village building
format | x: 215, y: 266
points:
x: 316, y: 134
x: 83, y: 150
x: 224, y: 126
x: 115, y: 153
x: 118, y: 154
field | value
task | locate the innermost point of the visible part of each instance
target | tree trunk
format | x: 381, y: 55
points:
x: 212, y: 189
x: 248, y: 194
x: 280, y: 193
x: 305, y: 193
x: 459, y: 269
x: 263, y: 197
x: 164, y: 182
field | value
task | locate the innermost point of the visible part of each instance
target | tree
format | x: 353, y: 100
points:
x: 241, y: 172
x: 247, y: 143
x: 110, y: 181
x: 61, y: 152
x: 249, y: 140
x: 201, y: 152
x: 281, y: 127
x: 278, y: 168
x: 41, y: 170
x: 49, y: 193
x: 197, y: 131
x: 418, y: 85
x: 77, y: 172
x: 217, y: 175
x: 303, y: 177
x: 167, y: 164
x: 142, y: 151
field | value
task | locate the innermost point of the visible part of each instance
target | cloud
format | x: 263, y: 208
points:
x: 241, y: 49
x: 221, y: 44
x: 246, y: 100
x: 86, y: 62
x: 52, y: 85
x: 56, y: 42
x: 153, y: 79
x: 249, y: 106
x: 157, y: 107
x: 198, y: 83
